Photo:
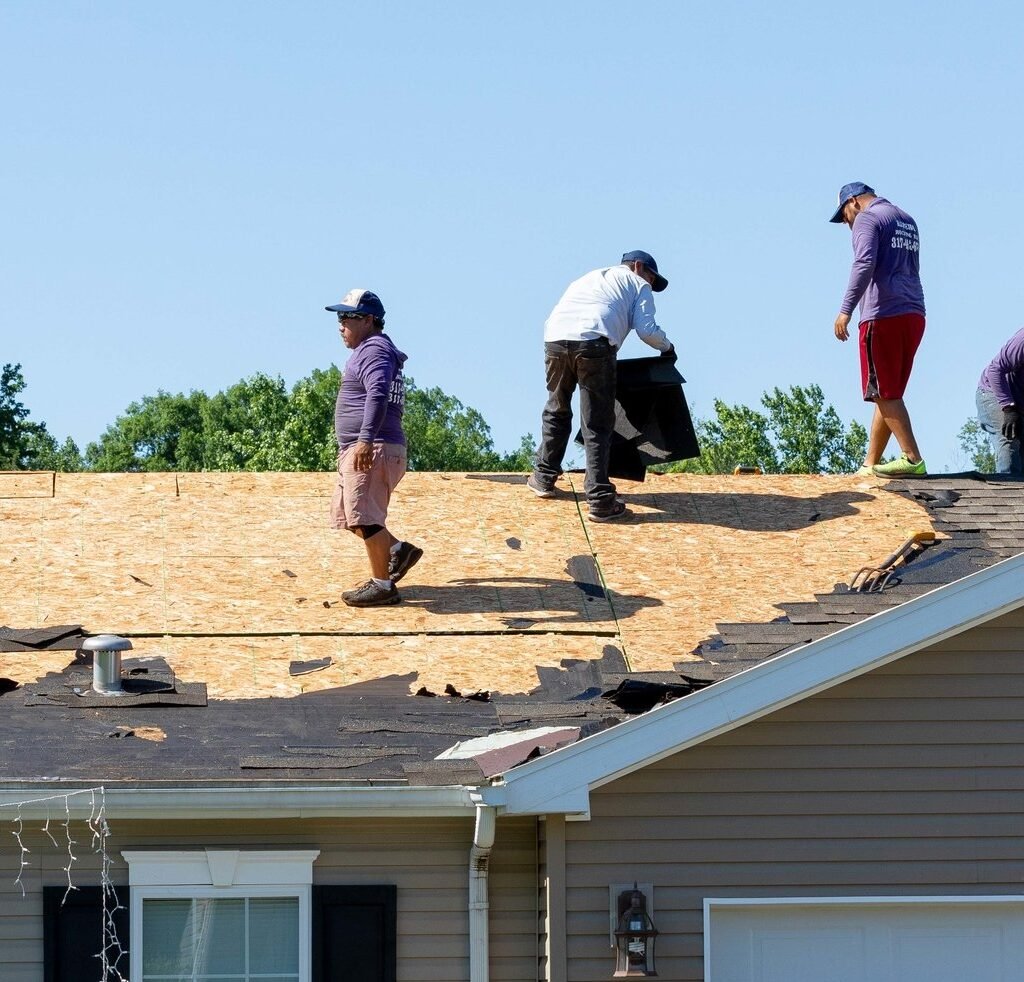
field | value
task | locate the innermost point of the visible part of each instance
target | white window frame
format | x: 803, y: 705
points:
x: 221, y: 873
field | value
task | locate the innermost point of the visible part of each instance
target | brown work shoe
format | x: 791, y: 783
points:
x: 371, y: 595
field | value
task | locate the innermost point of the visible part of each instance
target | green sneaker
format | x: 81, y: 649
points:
x: 901, y: 467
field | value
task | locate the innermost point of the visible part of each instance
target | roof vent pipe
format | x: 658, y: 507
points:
x: 106, y: 662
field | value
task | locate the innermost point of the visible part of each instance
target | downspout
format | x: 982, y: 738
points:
x: 479, y: 906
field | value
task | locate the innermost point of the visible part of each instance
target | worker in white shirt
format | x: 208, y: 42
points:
x: 581, y: 338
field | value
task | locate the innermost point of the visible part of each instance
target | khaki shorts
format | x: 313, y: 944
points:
x: 362, y: 497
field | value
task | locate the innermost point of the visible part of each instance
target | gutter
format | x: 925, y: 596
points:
x: 40, y: 801
x: 479, y: 904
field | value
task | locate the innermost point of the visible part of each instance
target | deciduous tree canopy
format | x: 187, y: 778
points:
x: 259, y: 425
x: 24, y: 444
x: 797, y: 434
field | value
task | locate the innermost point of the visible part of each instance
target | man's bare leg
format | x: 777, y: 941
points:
x: 897, y: 420
x: 378, y: 551
x: 878, y: 438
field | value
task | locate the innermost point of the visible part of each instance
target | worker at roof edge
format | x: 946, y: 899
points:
x: 885, y: 281
x: 371, y: 446
x: 1000, y: 398
x: 582, y: 336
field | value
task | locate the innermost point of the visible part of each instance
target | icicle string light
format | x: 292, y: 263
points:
x: 112, y: 953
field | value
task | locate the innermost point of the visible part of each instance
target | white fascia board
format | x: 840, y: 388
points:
x: 561, y: 777
x: 250, y: 802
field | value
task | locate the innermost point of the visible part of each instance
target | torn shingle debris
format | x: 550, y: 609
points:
x: 65, y: 637
x: 306, y: 667
x: 145, y: 682
x: 584, y: 573
x: 635, y: 696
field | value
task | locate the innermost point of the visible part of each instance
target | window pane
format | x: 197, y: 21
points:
x: 166, y: 937
x: 274, y: 935
x: 220, y: 936
x: 204, y: 940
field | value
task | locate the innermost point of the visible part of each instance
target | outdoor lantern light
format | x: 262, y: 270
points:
x: 634, y: 937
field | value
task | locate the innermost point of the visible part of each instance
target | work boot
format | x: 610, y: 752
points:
x: 402, y: 560
x: 371, y: 595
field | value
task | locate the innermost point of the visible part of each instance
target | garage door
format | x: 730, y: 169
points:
x: 949, y: 940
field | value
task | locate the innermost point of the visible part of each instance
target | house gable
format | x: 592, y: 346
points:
x: 561, y: 781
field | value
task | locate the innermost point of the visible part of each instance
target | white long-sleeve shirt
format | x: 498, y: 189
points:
x: 606, y: 303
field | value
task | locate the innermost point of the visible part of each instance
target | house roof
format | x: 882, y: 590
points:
x: 228, y: 585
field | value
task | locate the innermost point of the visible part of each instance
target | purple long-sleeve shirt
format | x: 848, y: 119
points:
x: 372, y: 394
x: 1004, y: 375
x: 886, y: 275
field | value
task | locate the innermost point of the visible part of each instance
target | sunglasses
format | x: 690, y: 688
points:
x: 349, y: 315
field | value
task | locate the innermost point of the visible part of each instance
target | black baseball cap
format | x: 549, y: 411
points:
x: 639, y: 256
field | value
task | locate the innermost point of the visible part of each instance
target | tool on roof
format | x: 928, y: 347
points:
x: 874, y: 579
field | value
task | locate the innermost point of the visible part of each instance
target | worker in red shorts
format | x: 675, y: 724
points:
x: 886, y: 282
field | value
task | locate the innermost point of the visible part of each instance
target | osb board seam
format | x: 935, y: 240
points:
x: 609, y: 595
x: 27, y: 484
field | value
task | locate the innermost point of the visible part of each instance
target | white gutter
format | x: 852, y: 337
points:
x: 479, y: 905
x: 41, y: 800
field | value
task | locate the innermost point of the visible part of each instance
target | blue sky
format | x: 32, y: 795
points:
x: 184, y: 187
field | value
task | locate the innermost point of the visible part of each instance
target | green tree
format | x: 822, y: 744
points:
x: 258, y: 425
x: 445, y: 435
x: 164, y: 432
x: 24, y: 444
x: 797, y: 434
x: 976, y: 447
x: 809, y: 435
x: 307, y: 439
x: 244, y: 425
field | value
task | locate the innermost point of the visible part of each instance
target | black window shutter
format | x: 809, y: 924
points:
x: 73, y: 934
x: 355, y: 932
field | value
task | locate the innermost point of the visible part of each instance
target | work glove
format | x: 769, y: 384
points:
x: 670, y: 355
x: 1011, y: 423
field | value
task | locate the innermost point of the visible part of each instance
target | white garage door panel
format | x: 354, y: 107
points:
x: 876, y: 942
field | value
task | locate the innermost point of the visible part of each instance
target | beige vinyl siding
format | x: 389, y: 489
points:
x: 906, y: 781
x: 427, y: 859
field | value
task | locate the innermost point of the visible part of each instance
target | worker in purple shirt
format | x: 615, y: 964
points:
x: 1000, y: 397
x: 886, y: 282
x: 371, y: 446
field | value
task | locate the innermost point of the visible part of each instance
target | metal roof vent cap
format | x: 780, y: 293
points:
x: 106, y: 662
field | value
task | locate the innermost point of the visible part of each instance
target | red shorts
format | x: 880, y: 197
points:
x: 887, y: 349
